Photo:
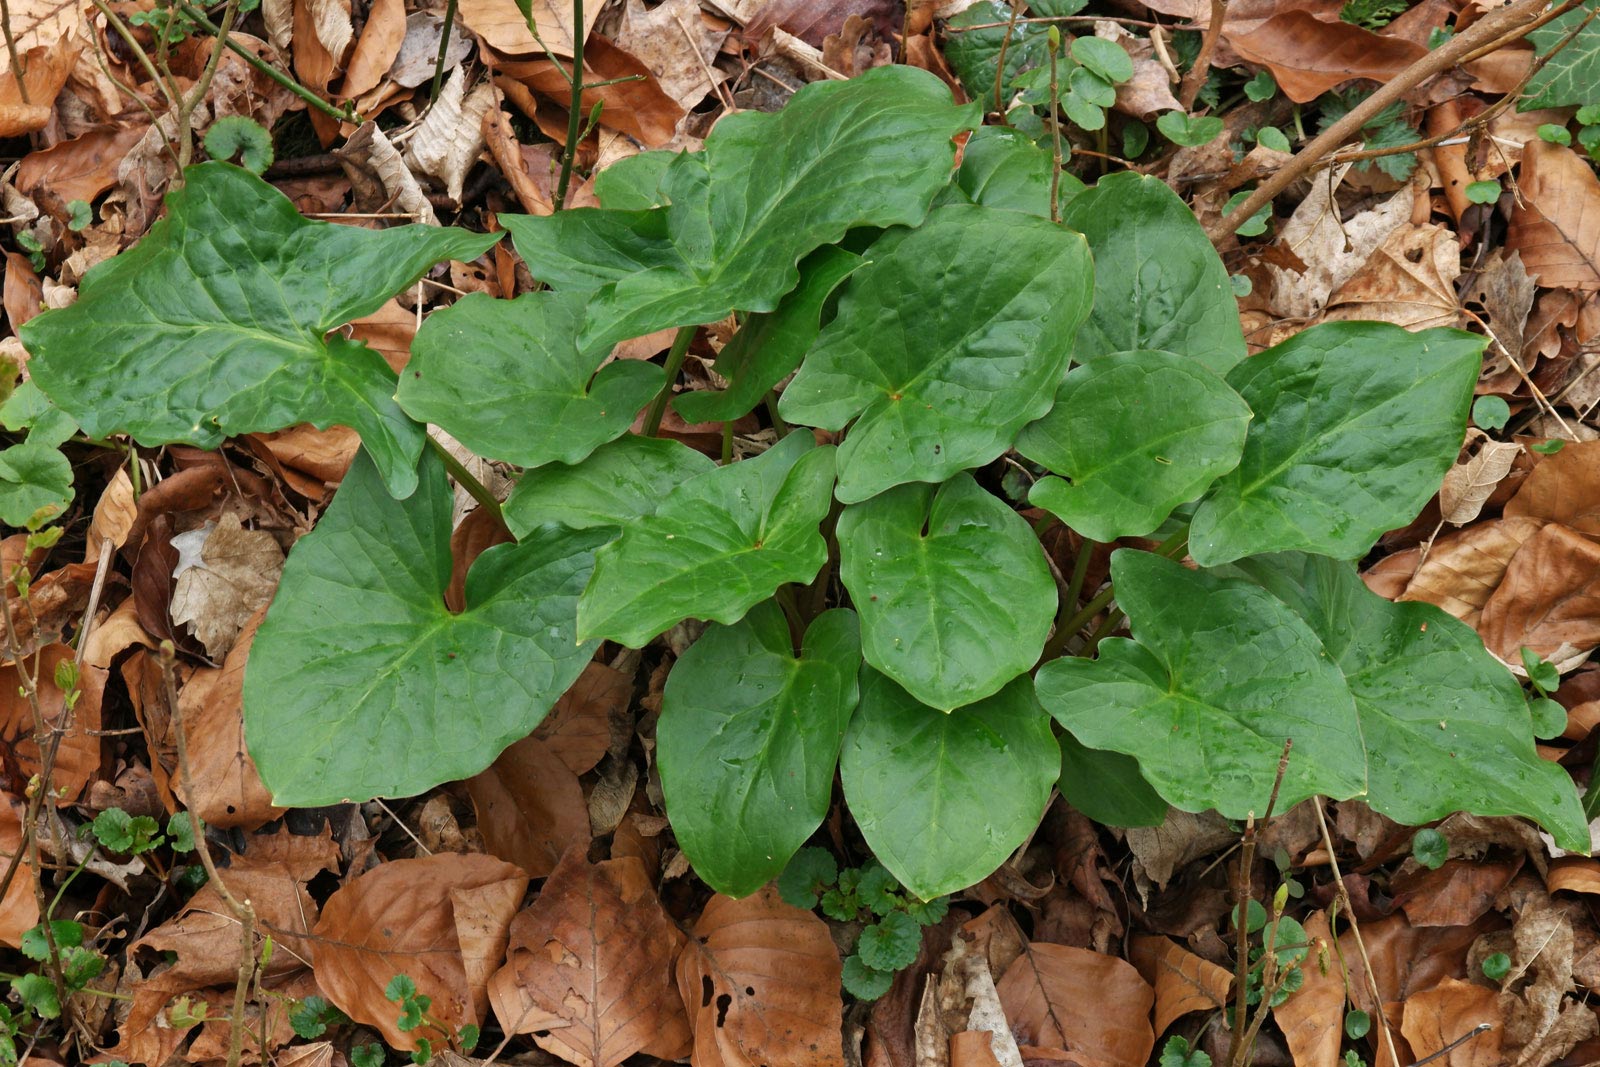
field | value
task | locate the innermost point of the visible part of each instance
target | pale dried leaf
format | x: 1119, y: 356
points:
x: 447, y: 143
x: 1332, y: 251
x: 503, y: 28
x: 1475, y: 476
x: 234, y: 577
x: 676, y: 44
x: 1409, y: 281
x: 380, y: 176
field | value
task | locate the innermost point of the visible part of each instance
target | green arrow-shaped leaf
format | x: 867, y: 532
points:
x: 621, y: 481
x: 942, y: 353
x: 943, y: 799
x: 954, y: 592
x: 217, y: 323
x: 504, y: 378
x: 361, y: 683
x: 1135, y: 434
x: 1158, y: 283
x: 769, y: 188
x: 749, y: 738
x: 718, y: 544
x: 1219, y: 674
x: 1355, y: 425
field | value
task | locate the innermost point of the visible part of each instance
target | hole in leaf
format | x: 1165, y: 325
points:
x: 723, y: 1003
x: 706, y: 989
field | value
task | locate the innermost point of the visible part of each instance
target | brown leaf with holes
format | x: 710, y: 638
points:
x: 1563, y: 488
x: 530, y: 807
x: 78, y: 757
x: 1061, y: 997
x: 1409, y: 281
x: 1556, y: 224
x: 1309, y: 56
x: 761, y: 980
x: 1183, y: 982
x: 1549, y: 598
x: 1468, y: 484
x: 1464, y: 569
x: 1436, y: 1017
x: 589, y: 971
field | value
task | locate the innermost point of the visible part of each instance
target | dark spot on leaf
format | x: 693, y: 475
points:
x: 706, y: 989
x: 723, y: 1003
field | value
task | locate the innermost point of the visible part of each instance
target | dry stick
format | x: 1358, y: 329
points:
x: 1195, y: 80
x: 1481, y: 1028
x: 1000, y: 64
x: 1516, y: 20
x: 242, y: 909
x: 11, y: 49
x: 1355, y: 928
x: 1241, y: 912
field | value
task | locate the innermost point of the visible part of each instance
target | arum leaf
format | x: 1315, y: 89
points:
x: 717, y: 545
x: 504, y: 378
x: 940, y: 354
x: 1355, y: 425
x: 925, y: 786
x: 749, y: 738
x: 1219, y: 673
x: 362, y: 684
x: 634, y: 183
x: 617, y: 483
x: 1135, y: 434
x: 217, y: 323
x: 954, y: 592
x: 1001, y: 168
x: 1107, y: 786
x: 1158, y: 283
x: 769, y: 188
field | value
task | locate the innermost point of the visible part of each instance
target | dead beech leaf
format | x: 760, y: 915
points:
x: 1505, y: 292
x: 578, y: 728
x: 1548, y: 599
x: 1464, y: 568
x: 46, y: 68
x: 1435, y: 1017
x: 78, y: 758
x: 1563, y: 488
x: 225, y: 574
x: 1061, y: 997
x: 1310, y: 1020
x: 379, y: 177
x: 1556, y: 225
x: 23, y: 293
x: 1575, y: 874
x: 19, y: 911
x: 1542, y: 1022
x: 1183, y: 982
x: 972, y: 1048
x: 377, y: 48
x: 1409, y: 281
x: 1471, y: 481
x: 676, y: 44
x: 400, y: 918
x: 1309, y: 56
x: 1458, y: 893
x: 450, y: 137
x: 114, y: 514
x: 638, y: 108
x: 502, y: 27
x: 1331, y: 250
x: 589, y: 968
x: 761, y: 981
x: 530, y: 807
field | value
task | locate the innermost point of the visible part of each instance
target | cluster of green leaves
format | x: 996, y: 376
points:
x: 35, y: 477
x: 891, y: 934
x: 402, y: 989
x: 1371, y: 14
x: 933, y: 319
x: 1389, y: 128
x: 1588, y: 119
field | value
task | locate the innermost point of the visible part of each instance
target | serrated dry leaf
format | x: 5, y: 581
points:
x: 1408, y: 280
x: 1183, y: 982
x: 1308, y: 56
x: 530, y: 807
x: 589, y: 970
x: 1563, y: 488
x: 1556, y: 225
x: 230, y: 577
x: 1463, y: 569
x: 1475, y: 476
x: 1549, y: 598
x: 1057, y: 996
x: 1436, y: 1017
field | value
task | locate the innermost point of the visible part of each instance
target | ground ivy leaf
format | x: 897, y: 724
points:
x: 717, y: 545
x: 35, y: 485
x: 617, y: 483
x: 361, y: 683
x: 940, y: 353
x: 1571, y: 74
x: 954, y: 592
x: 504, y: 378
x: 1135, y: 434
x: 749, y: 739
x: 926, y: 787
x: 769, y: 346
x: 1355, y: 425
x: 1158, y: 283
x: 769, y: 188
x: 1107, y: 786
x: 1218, y: 674
x: 217, y: 323
x: 1444, y: 723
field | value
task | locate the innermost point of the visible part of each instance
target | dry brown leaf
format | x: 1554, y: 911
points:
x: 676, y: 44
x: 1310, y: 1019
x: 1332, y: 250
x: 24, y: 293
x: 1473, y: 479
x: 19, y: 911
x: 1575, y: 874
x: 47, y: 36
x: 267, y: 1014
x: 1556, y: 223
x: 114, y: 514
x: 578, y: 728
x: 761, y: 981
x: 1456, y: 894
x: 79, y: 169
x: 419, y: 51
x: 1150, y: 88
x: 312, y: 62
x: 400, y: 918
x: 972, y: 1048
x: 1436, y: 1017
x: 1463, y: 569
x: 1505, y: 292
x: 1158, y: 851
x: 225, y: 575
x: 56, y: 602
x: 1183, y: 982
x: 1563, y: 488
x: 1409, y: 281
x: 450, y: 137
x: 589, y: 970
x: 530, y: 807
x: 1542, y: 1023
x: 379, y: 177
x: 503, y: 28
x: 1061, y: 997
x: 1549, y: 598
x: 1309, y: 56
x: 78, y: 758
x: 375, y: 52
x: 639, y: 108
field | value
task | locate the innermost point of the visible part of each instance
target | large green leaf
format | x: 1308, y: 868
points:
x: 1219, y: 674
x: 1158, y: 283
x: 951, y: 339
x: 217, y: 323
x: 749, y: 738
x: 1572, y: 74
x: 504, y: 378
x: 953, y: 589
x: 1107, y: 786
x: 1446, y: 726
x: 719, y: 543
x: 1001, y: 168
x: 1355, y: 425
x: 943, y: 799
x: 617, y: 483
x: 1134, y: 434
x: 770, y: 345
x: 361, y: 683
x: 769, y: 188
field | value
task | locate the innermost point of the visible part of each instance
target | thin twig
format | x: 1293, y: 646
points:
x: 1195, y: 80
x: 575, y: 111
x: 1242, y: 895
x: 17, y: 73
x: 1000, y: 63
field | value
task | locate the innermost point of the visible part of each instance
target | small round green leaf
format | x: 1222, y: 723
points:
x: 1483, y: 192
x: 1105, y: 58
x: 810, y: 871
x: 1262, y: 87
x: 1549, y: 717
x: 1496, y: 967
x: 1190, y: 131
x: 1356, y: 1024
x: 1554, y: 133
x: 1273, y: 138
x: 1256, y: 224
x: 1430, y: 848
x: 1490, y: 412
x: 236, y: 135
x: 1093, y: 87
x: 864, y: 983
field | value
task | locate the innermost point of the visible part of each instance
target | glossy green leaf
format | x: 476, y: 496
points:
x: 975, y: 54
x: 504, y: 378
x: 617, y: 483
x: 1134, y: 434
x: 1107, y: 786
x: 770, y: 345
x: 634, y: 183
x: 718, y: 544
x: 35, y: 485
x: 749, y: 738
x: 953, y: 589
x: 1355, y: 425
x: 361, y: 683
x: 1001, y: 168
x: 1106, y: 58
x: 1445, y: 725
x: 769, y: 188
x: 944, y: 798
x: 217, y: 323
x: 1571, y: 74
x: 941, y: 355
x: 1218, y: 674
x: 1158, y: 283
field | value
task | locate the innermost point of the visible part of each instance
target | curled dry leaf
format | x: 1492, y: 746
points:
x: 1475, y: 476
x: 450, y: 137
x: 1331, y: 250
x: 1436, y: 1017
x: 1409, y: 281
x: 589, y: 970
x: 1563, y: 488
x: 1061, y: 997
x: 114, y: 515
x: 1183, y: 982
x: 402, y: 917
x: 1549, y: 599
x: 230, y: 578
x: 1556, y: 224
x: 1464, y: 569
x: 761, y: 981
x: 1309, y: 56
